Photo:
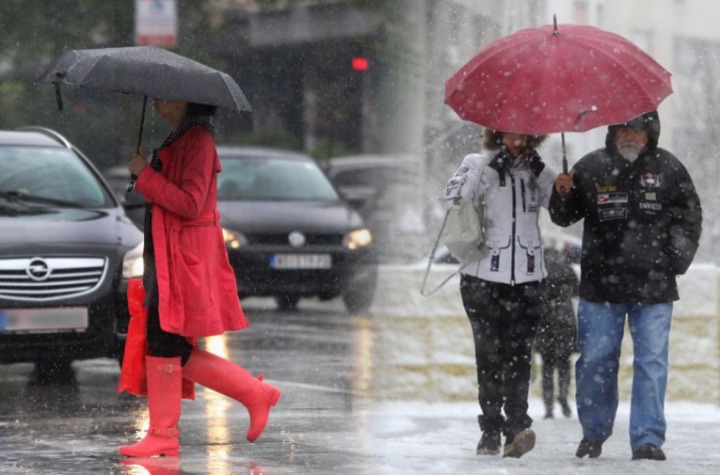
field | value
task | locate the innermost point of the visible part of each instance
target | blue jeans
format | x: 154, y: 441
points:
x: 600, y: 333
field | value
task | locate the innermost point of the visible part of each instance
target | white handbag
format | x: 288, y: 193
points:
x: 463, y: 232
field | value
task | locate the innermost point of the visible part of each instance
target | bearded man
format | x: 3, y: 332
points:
x: 642, y: 227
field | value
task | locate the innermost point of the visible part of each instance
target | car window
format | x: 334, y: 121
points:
x: 52, y: 173
x: 360, y: 177
x: 272, y: 179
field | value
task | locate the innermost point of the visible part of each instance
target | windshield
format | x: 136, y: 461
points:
x: 272, y: 179
x: 54, y: 177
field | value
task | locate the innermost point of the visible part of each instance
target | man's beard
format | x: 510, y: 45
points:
x: 629, y: 150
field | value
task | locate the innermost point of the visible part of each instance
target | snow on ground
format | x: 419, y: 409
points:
x: 415, y: 437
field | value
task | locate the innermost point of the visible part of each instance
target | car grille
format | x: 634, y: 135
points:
x: 282, y: 239
x: 52, y: 278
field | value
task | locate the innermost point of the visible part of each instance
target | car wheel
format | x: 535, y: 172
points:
x: 359, y: 300
x: 120, y: 354
x: 287, y: 302
x: 52, y: 372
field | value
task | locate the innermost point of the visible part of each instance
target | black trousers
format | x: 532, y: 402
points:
x: 164, y: 344
x: 504, y: 321
x: 562, y: 363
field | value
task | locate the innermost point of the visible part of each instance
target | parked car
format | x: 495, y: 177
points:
x: 118, y: 178
x: 66, y: 250
x: 384, y: 190
x: 289, y: 233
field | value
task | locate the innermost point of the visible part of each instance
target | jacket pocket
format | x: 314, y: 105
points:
x: 499, y: 255
x: 192, y: 267
x: 529, y: 255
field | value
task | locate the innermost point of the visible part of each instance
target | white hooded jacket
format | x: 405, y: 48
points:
x: 511, y: 210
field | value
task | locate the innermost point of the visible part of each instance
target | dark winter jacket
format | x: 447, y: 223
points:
x: 557, y: 331
x: 642, y: 226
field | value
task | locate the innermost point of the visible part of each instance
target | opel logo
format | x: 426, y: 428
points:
x: 296, y: 239
x: 38, y: 269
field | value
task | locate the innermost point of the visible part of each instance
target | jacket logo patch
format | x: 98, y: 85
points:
x: 651, y: 180
x: 651, y: 206
x: 613, y: 213
x: 609, y: 198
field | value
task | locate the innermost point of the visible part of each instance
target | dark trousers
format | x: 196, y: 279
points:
x: 164, y: 344
x: 562, y: 363
x: 504, y: 321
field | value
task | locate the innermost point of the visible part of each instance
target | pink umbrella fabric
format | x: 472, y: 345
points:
x: 557, y: 79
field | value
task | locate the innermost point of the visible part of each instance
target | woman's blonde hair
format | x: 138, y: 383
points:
x: 493, y: 140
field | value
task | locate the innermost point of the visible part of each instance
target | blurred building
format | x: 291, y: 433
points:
x: 310, y: 69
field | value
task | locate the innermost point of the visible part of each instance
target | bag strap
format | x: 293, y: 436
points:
x: 437, y: 243
x: 430, y: 262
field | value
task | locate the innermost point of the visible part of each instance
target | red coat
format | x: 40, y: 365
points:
x: 197, y: 287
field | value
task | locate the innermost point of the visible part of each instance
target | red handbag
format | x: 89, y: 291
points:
x: 133, y: 376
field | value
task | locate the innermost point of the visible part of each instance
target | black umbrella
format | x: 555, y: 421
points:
x: 148, y: 71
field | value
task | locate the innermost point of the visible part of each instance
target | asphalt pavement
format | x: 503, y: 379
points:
x: 326, y: 422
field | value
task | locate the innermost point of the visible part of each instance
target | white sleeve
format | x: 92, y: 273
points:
x: 466, y: 179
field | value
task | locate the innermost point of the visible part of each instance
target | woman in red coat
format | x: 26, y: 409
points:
x: 189, y: 284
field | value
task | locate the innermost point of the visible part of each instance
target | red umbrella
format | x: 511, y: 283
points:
x: 557, y: 79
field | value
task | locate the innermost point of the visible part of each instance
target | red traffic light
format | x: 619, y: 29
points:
x: 360, y: 64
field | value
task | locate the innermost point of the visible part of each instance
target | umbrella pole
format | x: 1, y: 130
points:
x: 564, y: 162
x: 142, y: 123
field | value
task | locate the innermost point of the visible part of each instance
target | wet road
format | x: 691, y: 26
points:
x: 327, y: 421
x: 315, y: 356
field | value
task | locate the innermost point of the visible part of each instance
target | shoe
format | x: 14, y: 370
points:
x: 566, y: 408
x: 549, y: 415
x: 164, y: 383
x: 521, y: 444
x: 649, y: 452
x: 489, y: 444
x: 591, y: 449
x: 227, y: 378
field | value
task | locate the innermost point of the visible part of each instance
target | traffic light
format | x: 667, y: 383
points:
x: 360, y: 63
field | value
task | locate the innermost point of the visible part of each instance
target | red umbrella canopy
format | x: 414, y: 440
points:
x: 557, y: 79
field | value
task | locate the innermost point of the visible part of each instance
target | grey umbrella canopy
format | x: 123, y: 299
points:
x: 148, y: 71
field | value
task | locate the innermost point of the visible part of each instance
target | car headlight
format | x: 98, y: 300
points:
x: 357, y: 239
x: 133, y: 265
x: 234, y: 239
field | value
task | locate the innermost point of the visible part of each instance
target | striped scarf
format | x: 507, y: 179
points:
x: 187, y: 123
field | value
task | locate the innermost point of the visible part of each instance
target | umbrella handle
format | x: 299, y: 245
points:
x: 133, y: 177
x: 564, y: 161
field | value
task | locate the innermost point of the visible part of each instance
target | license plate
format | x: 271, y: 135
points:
x: 300, y: 261
x: 41, y: 320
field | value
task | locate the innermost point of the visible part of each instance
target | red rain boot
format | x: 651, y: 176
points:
x: 164, y: 378
x: 231, y: 380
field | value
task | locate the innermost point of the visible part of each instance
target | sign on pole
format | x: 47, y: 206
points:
x: 155, y: 23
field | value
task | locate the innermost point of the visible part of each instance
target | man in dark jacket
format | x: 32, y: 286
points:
x: 642, y: 227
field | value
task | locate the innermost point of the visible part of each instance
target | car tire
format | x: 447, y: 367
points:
x: 51, y: 372
x: 287, y: 302
x: 359, y: 300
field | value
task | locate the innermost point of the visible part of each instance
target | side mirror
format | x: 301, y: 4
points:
x: 357, y: 203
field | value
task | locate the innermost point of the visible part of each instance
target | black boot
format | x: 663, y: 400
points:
x: 591, y: 449
x: 490, y: 442
x: 649, y: 452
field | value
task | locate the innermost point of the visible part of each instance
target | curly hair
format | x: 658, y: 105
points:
x: 493, y: 140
